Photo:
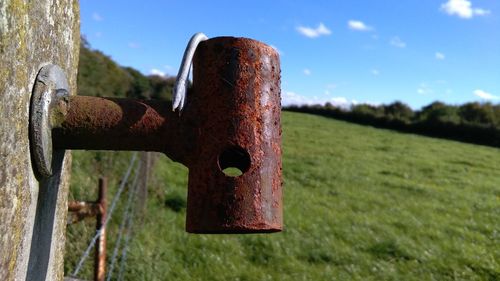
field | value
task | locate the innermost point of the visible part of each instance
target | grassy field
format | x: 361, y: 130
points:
x: 360, y: 204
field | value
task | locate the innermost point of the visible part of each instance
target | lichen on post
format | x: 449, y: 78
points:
x: 32, y: 212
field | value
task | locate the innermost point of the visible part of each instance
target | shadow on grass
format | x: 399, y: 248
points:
x: 389, y: 250
x: 259, y: 250
x: 175, y: 202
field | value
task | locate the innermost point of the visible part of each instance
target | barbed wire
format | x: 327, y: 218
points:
x: 128, y: 236
x: 130, y: 223
x: 124, y: 223
x: 123, y: 182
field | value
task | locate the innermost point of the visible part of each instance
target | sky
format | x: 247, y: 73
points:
x: 344, y: 52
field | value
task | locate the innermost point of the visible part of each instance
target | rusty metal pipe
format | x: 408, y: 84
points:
x: 80, y: 210
x: 236, y: 108
x: 100, y: 252
x: 231, y: 120
x: 83, y: 207
x: 96, y: 123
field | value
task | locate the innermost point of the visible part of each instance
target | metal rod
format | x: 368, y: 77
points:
x: 83, y: 207
x: 95, y: 123
x: 80, y: 210
x: 100, y: 252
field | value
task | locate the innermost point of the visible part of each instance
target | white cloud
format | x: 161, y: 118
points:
x: 462, y: 9
x: 424, y: 89
x: 481, y: 12
x: 485, y: 95
x: 375, y: 72
x: 96, y: 17
x: 358, y: 25
x: 329, y: 88
x: 292, y: 98
x: 307, y: 71
x: 158, y: 72
x: 397, y: 42
x: 134, y: 45
x: 170, y: 70
x: 437, y: 88
x: 314, y: 32
x: 341, y: 102
x: 440, y: 56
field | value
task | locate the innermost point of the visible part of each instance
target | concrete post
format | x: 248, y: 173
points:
x: 32, y: 212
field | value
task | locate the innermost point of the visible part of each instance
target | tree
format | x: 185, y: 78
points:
x: 367, y: 109
x: 399, y: 110
x: 161, y: 86
x: 476, y: 113
x: 140, y: 85
x: 98, y: 75
x: 439, y: 112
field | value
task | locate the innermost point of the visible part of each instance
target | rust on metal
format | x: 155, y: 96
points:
x: 81, y: 210
x: 231, y: 120
x: 235, y: 107
x: 96, y: 123
x: 100, y: 252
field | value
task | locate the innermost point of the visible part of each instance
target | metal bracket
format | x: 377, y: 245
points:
x: 232, y: 121
x: 48, y: 107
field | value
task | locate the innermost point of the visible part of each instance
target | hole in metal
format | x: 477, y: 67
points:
x: 234, y: 161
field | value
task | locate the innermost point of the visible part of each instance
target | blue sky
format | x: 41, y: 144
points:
x: 344, y: 52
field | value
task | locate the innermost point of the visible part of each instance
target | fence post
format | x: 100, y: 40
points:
x: 33, y: 211
x: 144, y: 171
x: 100, y: 252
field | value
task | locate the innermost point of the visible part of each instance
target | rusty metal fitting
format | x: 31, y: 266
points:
x: 78, y: 210
x: 235, y: 110
x: 100, y: 253
x: 231, y: 119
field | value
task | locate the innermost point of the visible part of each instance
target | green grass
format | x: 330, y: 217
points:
x: 359, y: 203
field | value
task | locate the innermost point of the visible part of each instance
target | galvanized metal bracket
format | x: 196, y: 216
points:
x: 49, y: 102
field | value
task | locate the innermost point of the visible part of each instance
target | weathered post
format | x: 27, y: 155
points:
x: 32, y: 211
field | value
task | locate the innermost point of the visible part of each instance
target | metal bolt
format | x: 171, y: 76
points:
x: 48, y: 107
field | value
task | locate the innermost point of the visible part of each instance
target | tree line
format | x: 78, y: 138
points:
x: 472, y: 122
x: 99, y: 75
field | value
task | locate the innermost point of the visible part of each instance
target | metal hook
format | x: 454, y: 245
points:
x: 180, y: 87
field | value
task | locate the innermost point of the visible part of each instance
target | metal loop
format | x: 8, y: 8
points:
x: 180, y: 87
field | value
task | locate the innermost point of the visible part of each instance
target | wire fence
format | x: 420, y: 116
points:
x: 125, y: 230
x: 124, y: 223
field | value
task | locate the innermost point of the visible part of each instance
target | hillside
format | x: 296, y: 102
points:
x: 99, y: 75
x: 360, y: 204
